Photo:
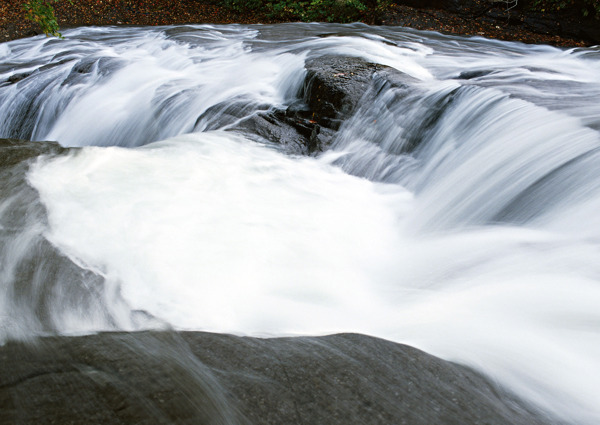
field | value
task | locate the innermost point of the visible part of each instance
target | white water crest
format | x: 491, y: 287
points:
x: 460, y: 216
x: 212, y: 231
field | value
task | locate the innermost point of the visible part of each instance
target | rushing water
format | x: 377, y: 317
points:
x: 462, y: 219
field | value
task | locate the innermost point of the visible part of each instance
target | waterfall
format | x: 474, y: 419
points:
x: 457, y: 214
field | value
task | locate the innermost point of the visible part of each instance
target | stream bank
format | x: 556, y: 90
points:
x: 466, y: 17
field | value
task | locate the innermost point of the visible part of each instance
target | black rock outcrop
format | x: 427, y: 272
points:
x: 202, y: 378
x: 334, y: 87
x: 13, y: 151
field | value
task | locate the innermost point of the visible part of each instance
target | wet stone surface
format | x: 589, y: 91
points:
x: 202, y: 378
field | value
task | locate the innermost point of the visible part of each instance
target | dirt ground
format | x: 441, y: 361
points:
x: 162, y: 12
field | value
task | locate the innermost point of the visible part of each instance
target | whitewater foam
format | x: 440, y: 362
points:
x: 464, y: 223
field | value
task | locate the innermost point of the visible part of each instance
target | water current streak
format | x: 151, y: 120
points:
x: 456, y: 212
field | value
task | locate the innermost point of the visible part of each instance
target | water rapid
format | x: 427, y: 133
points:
x: 459, y: 217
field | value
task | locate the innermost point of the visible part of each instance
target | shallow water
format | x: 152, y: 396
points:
x: 461, y: 219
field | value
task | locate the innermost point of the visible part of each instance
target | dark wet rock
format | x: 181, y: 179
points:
x: 201, y: 378
x: 13, y: 151
x: 293, y: 133
x: 18, y: 77
x: 470, y: 75
x: 86, y: 67
x: 333, y: 89
x: 224, y: 115
x: 334, y: 86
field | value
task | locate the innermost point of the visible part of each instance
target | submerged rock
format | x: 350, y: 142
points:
x: 202, y: 378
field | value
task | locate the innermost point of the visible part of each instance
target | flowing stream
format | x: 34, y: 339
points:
x: 461, y: 219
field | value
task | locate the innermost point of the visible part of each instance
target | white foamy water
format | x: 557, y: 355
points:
x: 460, y: 218
x: 214, y: 232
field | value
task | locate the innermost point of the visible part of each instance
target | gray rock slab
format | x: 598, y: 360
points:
x: 203, y: 378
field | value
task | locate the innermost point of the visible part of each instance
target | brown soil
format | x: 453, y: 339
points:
x: 502, y: 28
x: 164, y: 12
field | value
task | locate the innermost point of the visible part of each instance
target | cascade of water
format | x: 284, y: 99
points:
x: 436, y: 142
x: 458, y: 215
x: 42, y: 290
